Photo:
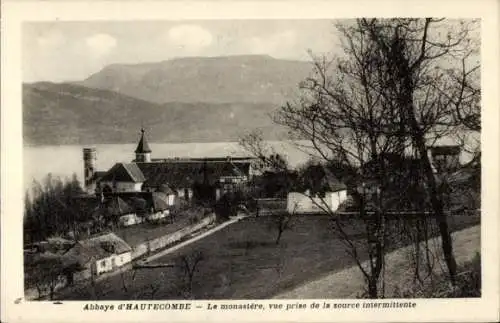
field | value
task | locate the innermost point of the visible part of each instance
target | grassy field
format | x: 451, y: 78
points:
x: 241, y: 261
x: 399, y: 275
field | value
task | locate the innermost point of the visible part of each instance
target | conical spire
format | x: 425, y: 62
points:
x: 143, y: 146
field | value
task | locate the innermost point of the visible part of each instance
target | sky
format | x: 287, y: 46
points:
x: 67, y: 51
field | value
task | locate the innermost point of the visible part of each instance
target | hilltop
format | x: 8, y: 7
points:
x: 223, y: 79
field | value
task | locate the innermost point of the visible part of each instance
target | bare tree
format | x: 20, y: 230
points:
x: 341, y: 136
x: 267, y: 157
x: 282, y: 222
x: 401, y: 85
x: 47, y: 275
x: 418, y: 71
x: 349, y: 123
x: 127, y: 277
x: 189, y: 266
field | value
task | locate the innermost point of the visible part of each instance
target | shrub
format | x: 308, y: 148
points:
x: 468, y: 284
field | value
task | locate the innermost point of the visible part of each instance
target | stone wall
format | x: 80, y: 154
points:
x: 166, y: 240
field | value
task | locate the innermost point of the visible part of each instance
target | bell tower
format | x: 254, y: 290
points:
x: 89, y: 166
x: 143, y: 152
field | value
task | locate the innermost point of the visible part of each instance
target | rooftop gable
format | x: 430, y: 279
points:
x: 103, y: 245
x: 122, y: 172
x: 118, y: 207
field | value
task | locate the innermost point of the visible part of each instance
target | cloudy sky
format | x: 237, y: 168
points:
x: 64, y: 51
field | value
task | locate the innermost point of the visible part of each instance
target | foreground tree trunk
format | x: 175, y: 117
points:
x: 401, y: 79
x: 418, y: 140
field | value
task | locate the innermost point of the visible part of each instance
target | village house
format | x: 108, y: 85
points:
x: 161, y: 203
x: 100, y: 254
x: 122, y: 177
x: 130, y: 208
x: 324, y: 192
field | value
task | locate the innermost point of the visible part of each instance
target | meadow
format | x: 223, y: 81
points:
x: 241, y: 261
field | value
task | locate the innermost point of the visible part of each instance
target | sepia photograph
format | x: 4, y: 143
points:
x: 241, y: 160
x: 218, y: 160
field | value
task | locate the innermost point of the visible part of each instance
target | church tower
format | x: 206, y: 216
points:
x: 143, y: 152
x: 89, y: 167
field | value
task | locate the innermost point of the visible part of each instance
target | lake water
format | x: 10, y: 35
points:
x: 63, y: 161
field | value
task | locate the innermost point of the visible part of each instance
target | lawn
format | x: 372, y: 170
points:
x: 242, y: 261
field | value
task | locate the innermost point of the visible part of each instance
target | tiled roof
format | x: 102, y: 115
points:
x: 160, y: 201
x: 166, y: 189
x: 117, y: 206
x: 180, y: 174
x: 98, y: 247
x: 333, y: 183
x: 122, y: 172
x: 136, y: 202
x: 208, y: 159
x: 320, y: 176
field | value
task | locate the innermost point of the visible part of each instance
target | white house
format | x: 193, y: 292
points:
x: 325, y: 192
x: 303, y: 203
x: 116, y: 208
x: 102, y: 253
x: 162, y: 202
x: 130, y: 219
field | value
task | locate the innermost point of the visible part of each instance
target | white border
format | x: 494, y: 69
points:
x: 14, y: 13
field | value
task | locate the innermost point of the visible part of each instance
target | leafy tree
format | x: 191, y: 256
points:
x: 52, y: 208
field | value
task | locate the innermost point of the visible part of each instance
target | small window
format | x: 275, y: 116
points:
x: 103, y: 263
x: 121, y: 258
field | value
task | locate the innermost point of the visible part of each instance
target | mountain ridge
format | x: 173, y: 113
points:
x: 195, y: 99
x: 218, y: 79
x: 66, y: 114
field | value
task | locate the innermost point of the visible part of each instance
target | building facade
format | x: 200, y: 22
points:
x: 189, y: 178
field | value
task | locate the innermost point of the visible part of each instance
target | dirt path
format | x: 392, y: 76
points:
x: 349, y: 283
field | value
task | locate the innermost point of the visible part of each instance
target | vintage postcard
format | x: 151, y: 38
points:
x: 250, y: 161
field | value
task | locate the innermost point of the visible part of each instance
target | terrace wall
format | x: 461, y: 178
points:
x: 166, y: 240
